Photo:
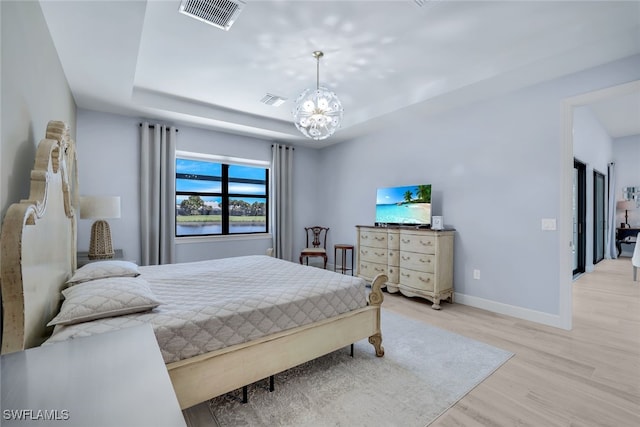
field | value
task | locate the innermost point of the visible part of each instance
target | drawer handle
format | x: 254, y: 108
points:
x: 405, y: 274
x: 406, y: 258
x: 428, y: 261
x: 406, y: 240
x: 379, y: 239
x: 379, y: 254
x: 364, y: 237
x: 378, y: 269
x: 423, y: 280
x: 363, y: 252
x: 426, y: 244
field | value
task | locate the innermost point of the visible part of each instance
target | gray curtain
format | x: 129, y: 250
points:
x: 610, y: 251
x: 157, y: 193
x: 282, y: 201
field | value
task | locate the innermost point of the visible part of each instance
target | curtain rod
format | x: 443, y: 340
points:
x: 153, y: 126
x: 285, y: 147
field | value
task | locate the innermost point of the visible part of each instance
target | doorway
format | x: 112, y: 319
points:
x: 565, y: 235
x: 579, y: 216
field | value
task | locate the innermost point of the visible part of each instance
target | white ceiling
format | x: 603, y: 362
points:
x: 619, y: 115
x: 143, y: 58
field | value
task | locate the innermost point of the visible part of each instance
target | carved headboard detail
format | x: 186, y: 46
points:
x: 38, y: 243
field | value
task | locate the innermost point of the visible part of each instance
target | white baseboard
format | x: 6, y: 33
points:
x: 509, y: 310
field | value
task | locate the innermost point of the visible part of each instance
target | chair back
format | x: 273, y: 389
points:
x: 318, y: 236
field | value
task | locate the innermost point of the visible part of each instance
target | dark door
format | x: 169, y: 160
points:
x: 579, y: 215
x: 599, y: 225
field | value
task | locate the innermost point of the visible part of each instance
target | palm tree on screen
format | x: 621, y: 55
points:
x: 424, y: 193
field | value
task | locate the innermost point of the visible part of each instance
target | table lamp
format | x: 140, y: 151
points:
x: 626, y: 206
x: 100, y: 209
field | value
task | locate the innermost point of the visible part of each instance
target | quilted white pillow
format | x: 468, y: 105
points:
x: 101, y: 298
x: 104, y: 269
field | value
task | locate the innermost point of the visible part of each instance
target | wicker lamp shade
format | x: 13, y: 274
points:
x: 100, y: 208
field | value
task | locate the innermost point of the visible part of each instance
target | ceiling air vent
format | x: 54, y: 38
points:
x: 219, y: 13
x: 274, y: 100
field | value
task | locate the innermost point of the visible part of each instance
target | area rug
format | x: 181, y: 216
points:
x: 425, y: 370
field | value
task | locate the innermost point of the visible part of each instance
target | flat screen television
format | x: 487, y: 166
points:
x: 406, y: 205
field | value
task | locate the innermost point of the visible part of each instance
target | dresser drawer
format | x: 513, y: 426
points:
x: 417, y: 279
x: 371, y: 269
x: 377, y: 255
x: 417, y: 243
x: 416, y: 261
x: 374, y: 239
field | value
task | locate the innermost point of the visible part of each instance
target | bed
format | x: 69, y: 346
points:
x: 38, y: 256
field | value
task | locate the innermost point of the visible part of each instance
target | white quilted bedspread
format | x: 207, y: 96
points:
x: 213, y: 304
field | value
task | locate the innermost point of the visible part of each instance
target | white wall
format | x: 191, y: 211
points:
x: 34, y: 91
x: 108, y: 164
x: 593, y: 147
x: 109, y: 160
x: 495, y: 167
x: 626, y: 155
x: 307, y: 187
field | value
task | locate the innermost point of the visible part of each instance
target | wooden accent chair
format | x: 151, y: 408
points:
x: 318, y: 247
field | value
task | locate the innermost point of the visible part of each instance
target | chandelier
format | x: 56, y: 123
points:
x: 317, y: 112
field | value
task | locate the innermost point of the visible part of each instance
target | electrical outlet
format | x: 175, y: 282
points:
x: 476, y: 274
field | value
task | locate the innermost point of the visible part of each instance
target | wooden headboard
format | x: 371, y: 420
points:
x: 38, y: 243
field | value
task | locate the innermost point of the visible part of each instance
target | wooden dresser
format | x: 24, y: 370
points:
x: 418, y: 262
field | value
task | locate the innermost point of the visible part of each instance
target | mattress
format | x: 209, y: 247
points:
x: 209, y: 305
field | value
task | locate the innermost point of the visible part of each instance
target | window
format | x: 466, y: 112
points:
x: 216, y: 197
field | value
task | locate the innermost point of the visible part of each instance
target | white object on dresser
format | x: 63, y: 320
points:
x: 111, y: 379
x: 418, y: 262
x: 437, y: 223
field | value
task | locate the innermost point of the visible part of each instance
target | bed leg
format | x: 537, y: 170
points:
x: 271, y: 383
x: 245, y: 396
x: 376, y: 341
x: 375, y: 299
x: 351, y: 350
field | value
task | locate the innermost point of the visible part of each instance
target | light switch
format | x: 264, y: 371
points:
x: 548, y: 224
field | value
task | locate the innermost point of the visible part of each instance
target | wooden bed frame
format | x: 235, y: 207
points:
x: 38, y: 255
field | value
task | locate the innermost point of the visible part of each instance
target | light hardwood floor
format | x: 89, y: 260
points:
x: 589, y: 376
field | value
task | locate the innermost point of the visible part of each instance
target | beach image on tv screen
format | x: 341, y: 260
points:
x: 404, y: 205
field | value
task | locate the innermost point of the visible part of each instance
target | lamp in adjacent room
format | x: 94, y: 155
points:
x: 100, y: 208
x: 626, y: 206
x: 318, y: 111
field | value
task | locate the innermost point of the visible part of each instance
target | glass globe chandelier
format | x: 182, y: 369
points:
x: 317, y: 112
